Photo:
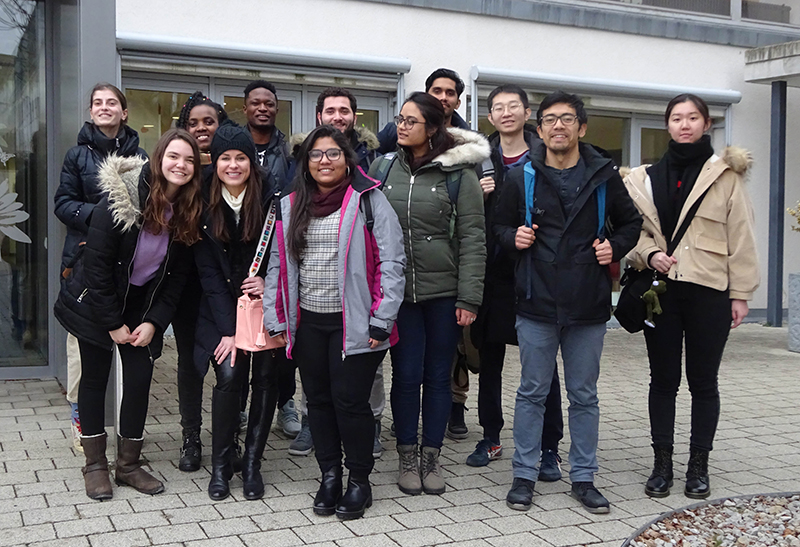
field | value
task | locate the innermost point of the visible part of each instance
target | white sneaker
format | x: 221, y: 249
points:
x: 76, y: 435
x: 288, y: 420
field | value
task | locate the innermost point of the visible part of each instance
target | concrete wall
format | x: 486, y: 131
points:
x: 431, y: 38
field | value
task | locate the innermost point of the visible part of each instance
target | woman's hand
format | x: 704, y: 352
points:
x: 143, y: 335
x: 739, y: 311
x: 464, y: 317
x: 280, y: 338
x: 254, y: 286
x: 226, y: 347
x: 487, y: 185
x: 373, y: 343
x: 122, y: 335
x: 661, y: 262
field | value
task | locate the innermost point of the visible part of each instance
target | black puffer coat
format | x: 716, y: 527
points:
x: 222, y: 266
x: 78, y: 191
x: 92, y: 301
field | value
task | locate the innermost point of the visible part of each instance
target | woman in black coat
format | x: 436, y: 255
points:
x: 78, y: 193
x: 231, y: 229
x: 123, y: 290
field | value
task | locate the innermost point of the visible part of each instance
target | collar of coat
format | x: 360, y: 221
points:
x: 363, y: 135
x: 118, y: 178
x: 471, y: 149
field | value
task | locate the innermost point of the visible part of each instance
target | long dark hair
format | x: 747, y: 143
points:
x: 252, y: 207
x: 123, y: 102
x: 185, y: 221
x: 305, y: 186
x: 441, y: 140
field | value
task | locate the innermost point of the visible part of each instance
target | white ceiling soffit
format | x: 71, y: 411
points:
x: 594, y: 86
x: 136, y: 44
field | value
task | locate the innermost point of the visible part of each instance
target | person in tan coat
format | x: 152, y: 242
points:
x: 710, y: 276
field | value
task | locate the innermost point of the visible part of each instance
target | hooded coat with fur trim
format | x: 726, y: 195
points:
x: 439, y: 265
x: 92, y: 301
x: 718, y: 249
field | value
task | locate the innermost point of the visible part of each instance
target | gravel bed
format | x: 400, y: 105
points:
x: 739, y: 522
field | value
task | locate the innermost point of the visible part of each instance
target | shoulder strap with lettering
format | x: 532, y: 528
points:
x: 263, y: 243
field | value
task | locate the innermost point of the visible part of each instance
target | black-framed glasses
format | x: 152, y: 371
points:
x: 332, y: 154
x: 551, y: 119
x: 408, y: 122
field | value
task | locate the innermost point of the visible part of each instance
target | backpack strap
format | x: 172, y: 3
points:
x: 367, y: 206
x: 530, y: 184
x: 385, y: 163
x: 601, y: 211
x: 453, y: 185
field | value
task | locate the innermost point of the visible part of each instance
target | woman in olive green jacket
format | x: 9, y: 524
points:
x: 435, y: 192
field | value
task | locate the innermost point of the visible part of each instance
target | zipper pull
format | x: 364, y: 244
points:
x: 342, y: 355
x: 80, y: 298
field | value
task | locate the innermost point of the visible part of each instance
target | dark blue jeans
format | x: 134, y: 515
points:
x: 421, y: 360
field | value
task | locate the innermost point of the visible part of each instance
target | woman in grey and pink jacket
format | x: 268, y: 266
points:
x: 333, y: 289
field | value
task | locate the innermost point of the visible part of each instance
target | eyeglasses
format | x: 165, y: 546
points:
x: 513, y: 108
x: 408, y: 122
x: 551, y: 119
x: 332, y: 154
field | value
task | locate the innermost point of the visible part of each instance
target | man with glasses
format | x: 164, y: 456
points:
x: 556, y: 214
x: 509, y: 112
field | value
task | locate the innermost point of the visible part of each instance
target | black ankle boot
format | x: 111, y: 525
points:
x: 329, y: 493
x: 697, y: 484
x: 661, y: 478
x: 357, y: 498
x: 191, y: 451
x: 224, y: 421
x: 262, y: 407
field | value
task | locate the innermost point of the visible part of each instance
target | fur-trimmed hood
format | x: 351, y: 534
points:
x: 737, y: 158
x: 118, y: 179
x: 471, y: 148
x: 363, y: 135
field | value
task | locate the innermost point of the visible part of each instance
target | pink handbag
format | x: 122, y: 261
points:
x: 251, y: 335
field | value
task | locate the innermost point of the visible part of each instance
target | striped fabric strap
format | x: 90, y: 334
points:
x: 263, y: 244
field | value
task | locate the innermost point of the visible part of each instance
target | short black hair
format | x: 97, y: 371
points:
x: 257, y: 84
x: 562, y: 97
x: 197, y: 99
x: 509, y: 88
x: 701, y: 105
x: 445, y: 73
x: 336, y: 92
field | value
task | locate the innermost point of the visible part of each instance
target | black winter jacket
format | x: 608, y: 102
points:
x: 222, y: 266
x: 276, y: 159
x: 558, y: 278
x: 78, y: 191
x: 92, y: 301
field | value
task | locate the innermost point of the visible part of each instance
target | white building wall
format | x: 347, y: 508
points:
x: 431, y: 39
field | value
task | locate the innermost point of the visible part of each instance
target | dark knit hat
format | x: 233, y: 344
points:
x: 233, y: 137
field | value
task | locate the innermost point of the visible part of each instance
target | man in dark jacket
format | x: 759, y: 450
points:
x: 445, y: 85
x: 555, y: 214
x: 509, y: 112
x: 261, y: 110
x: 338, y: 107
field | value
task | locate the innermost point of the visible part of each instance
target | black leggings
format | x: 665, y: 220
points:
x: 338, y: 393
x: 701, y: 317
x: 137, y: 371
x: 190, y: 382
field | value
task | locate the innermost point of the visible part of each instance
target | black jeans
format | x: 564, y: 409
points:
x: 490, y: 399
x: 287, y: 386
x: 701, y: 317
x: 338, y: 393
x: 137, y: 372
x: 190, y: 383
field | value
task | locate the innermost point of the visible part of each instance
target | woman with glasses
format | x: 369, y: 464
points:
x: 710, y: 276
x: 334, y: 285
x: 434, y: 191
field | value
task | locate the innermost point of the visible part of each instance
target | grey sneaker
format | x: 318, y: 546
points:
x: 287, y: 419
x: 409, y: 481
x: 377, y: 447
x: 303, y: 444
x: 432, y: 480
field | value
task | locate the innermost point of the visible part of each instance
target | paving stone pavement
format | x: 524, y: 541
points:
x: 757, y: 450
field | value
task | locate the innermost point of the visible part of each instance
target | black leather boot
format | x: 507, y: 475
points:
x: 262, y: 408
x: 661, y: 478
x: 697, y: 484
x: 356, y: 499
x: 224, y: 422
x: 329, y: 493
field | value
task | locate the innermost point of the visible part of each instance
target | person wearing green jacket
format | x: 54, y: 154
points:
x: 437, y: 197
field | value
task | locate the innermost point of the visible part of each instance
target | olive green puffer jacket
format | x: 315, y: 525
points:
x: 439, y: 265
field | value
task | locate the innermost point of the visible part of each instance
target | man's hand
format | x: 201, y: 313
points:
x: 525, y: 237
x: 143, y: 335
x: 661, y: 262
x: 122, y: 335
x: 603, y: 251
x: 739, y: 311
x: 487, y: 185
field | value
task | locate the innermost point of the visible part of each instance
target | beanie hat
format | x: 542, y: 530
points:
x: 233, y: 137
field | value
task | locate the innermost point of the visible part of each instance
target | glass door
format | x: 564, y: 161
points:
x: 649, y: 141
x: 232, y: 100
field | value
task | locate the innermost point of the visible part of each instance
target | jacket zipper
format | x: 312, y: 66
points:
x: 128, y: 281
x: 80, y: 298
x: 410, y: 244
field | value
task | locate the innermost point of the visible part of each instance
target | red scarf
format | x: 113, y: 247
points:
x: 323, y: 205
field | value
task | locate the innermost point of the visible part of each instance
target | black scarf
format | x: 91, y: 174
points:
x: 673, y: 178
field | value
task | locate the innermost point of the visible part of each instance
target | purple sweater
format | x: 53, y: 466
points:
x: 150, y: 252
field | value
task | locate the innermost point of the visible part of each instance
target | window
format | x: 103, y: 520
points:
x: 151, y: 113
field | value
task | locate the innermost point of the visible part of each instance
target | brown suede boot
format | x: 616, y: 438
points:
x: 129, y: 469
x: 95, y: 473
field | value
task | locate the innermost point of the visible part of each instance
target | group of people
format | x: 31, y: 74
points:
x: 416, y: 241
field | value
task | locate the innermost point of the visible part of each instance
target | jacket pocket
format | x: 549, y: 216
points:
x: 711, y: 245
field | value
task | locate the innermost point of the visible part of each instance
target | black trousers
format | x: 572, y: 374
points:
x: 338, y: 393
x: 490, y: 399
x: 190, y: 383
x: 700, y: 317
x: 137, y: 372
